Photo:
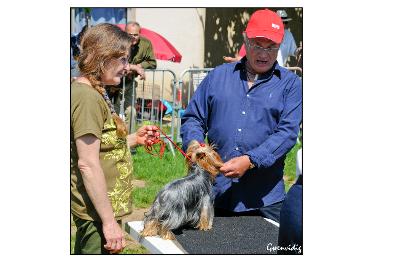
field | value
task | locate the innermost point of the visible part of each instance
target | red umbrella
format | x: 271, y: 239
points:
x: 162, y: 49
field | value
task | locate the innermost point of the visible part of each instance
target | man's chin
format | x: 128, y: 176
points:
x: 262, y: 69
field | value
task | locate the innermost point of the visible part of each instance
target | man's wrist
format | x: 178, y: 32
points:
x: 252, y: 165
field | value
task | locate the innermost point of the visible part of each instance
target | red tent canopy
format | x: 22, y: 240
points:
x: 162, y: 48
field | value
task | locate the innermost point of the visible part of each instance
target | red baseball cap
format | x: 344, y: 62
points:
x: 265, y: 23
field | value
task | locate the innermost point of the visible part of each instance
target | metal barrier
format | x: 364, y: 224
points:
x: 151, y: 98
x: 188, y: 82
x: 151, y: 101
x: 296, y: 70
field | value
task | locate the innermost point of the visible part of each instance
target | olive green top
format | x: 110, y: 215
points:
x: 142, y: 53
x: 91, y: 115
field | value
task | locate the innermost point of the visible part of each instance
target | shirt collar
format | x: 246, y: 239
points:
x: 276, y: 69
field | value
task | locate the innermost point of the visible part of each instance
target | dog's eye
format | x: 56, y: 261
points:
x: 200, y: 155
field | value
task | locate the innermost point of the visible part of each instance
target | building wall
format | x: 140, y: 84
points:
x: 182, y: 27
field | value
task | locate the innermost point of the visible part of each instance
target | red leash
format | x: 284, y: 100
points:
x: 149, y: 147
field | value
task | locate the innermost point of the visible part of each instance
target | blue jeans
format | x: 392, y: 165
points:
x: 272, y: 211
x: 291, y: 225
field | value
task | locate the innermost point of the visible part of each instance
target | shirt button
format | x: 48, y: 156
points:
x: 243, y: 112
x: 248, y: 95
x: 239, y: 130
x: 237, y: 148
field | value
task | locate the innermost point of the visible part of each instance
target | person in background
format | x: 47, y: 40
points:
x: 288, y: 46
x: 101, y: 165
x: 238, y: 56
x: 251, y: 111
x: 141, y: 58
x: 75, y: 51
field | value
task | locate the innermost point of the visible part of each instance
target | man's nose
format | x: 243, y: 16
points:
x: 263, y: 54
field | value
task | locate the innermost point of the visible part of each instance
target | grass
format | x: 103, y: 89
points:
x: 72, y: 242
x: 157, y: 172
x: 138, y: 250
x: 290, y: 167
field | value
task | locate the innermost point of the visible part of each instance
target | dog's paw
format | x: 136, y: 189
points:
x: 168, y: 235
x: 150, y: 229
x: 204, y: 225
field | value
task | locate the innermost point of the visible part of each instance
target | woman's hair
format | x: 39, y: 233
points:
x: 99, y: 45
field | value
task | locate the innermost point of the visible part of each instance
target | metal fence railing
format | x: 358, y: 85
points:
x: 189, y: 80
x: 161, y: 99
x: 152, y: 101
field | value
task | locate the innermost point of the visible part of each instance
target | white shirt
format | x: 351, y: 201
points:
x: 287, y: 48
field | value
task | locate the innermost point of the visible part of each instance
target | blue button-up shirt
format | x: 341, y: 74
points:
x: 262, y: 122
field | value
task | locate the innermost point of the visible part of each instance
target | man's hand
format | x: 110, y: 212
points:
x: 145, y: 134
x: 140, y: 71
x: 231, y: 59
x: 137, y: 69
x: 236, y: 167
x: 115, y: 241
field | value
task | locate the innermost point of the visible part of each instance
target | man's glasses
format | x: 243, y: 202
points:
x: 256, y: 48
x: 133, y: 35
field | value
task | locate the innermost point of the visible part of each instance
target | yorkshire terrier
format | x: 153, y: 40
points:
x: 187, y: 201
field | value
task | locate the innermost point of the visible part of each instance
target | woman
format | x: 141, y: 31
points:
x: 101, y: 166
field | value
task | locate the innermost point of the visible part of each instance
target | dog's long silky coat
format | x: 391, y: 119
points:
x: 186, y: 201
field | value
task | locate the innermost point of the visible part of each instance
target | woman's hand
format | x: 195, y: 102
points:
x: 144, y: 135
x: 114, y: 236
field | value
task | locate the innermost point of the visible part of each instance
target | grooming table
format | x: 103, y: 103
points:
x: 229, y: 235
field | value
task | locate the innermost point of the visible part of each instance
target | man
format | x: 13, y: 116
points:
x: 141, y: 48
x: 75, y: 51
x: 288, y: 46
x: 142, y: 57
x: 251, y: 111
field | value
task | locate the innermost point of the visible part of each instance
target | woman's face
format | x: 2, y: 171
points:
x: 114, y: 71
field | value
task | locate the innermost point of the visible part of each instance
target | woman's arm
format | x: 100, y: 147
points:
x: 88, y: 147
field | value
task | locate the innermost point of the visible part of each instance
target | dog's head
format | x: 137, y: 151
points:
x: 205, y: 156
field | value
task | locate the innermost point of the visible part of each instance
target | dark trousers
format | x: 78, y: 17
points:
x: 271, y: 211
x: 291, y: 227
x: 89, y: 237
